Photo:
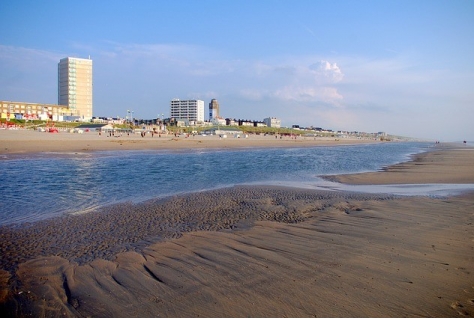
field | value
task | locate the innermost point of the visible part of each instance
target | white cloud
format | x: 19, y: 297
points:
x: 328, y: 95
x: 326, y: 72
x: 295, y: 82
x: 196, y: 68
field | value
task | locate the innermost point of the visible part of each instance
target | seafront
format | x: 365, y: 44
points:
x: 27, y: 141
x: 254, y: 251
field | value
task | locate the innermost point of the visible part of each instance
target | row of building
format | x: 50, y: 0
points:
x: 36, y: 111
x: 75, y: 89
x: 191, y: 113
x: 75, y: 96
x: 75, y: 103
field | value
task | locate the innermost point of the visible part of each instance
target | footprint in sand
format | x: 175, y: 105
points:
x: 460, y: 308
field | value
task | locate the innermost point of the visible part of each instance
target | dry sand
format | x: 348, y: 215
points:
x: 251, y: 251
x: 20, y: 142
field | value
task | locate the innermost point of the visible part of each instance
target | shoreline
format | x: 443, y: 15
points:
x: 444, y: 164
x: 24, y: 142
x: 259, y: 251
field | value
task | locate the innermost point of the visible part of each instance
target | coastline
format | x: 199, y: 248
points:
x: 24, y: 142
x: 444, y: 163
x: 254, y: 251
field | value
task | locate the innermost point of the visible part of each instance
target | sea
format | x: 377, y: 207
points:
x: 46, y: 185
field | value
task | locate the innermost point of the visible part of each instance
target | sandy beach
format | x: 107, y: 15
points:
x: 20, y: 142
x: 448, y: 163
x: 251, y: 251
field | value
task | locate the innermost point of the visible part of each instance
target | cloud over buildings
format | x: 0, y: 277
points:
x: 291, y: 81
x: 395, y: 94
x: 328, y: 95
x: 314, y: 83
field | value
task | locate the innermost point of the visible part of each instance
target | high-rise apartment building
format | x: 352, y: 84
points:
x: 75, y: 86
x: 213, y: 110
x: 188, y: 110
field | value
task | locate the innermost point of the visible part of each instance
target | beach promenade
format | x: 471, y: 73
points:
x: 247, y: 250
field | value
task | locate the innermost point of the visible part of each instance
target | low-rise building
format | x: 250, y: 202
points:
x: 218, y: 121
x: 231, y: 122
x: 222, y: 131
x: 272, y: 122
x: 245, y: 123
x: 34, y: 111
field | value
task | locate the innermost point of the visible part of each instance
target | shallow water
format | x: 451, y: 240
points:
x: 430, y: 190
x: 49, y: 185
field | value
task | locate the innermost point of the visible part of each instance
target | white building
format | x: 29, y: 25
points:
x: 272, y: 122
x: 222, y: 131
x: 75, y: 86
x: 218, y: 121
x: 191, y: 111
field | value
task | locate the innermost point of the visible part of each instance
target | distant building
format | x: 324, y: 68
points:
x: 213, y: 110
x: 190, y: 111
x: 272, y: 122
x: 218, y: 121
x: 75, y: 86
x: 222, y: 131
x: 231, y: 122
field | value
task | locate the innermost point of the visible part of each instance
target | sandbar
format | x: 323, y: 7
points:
x: 449, y: 163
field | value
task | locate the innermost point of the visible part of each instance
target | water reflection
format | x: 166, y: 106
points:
x: 46, y: 186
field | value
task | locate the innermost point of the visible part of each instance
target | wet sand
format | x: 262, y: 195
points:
x: 252, y: 251
x: 449, y: 163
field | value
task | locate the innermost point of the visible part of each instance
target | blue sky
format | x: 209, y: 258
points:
x: 404, y: 67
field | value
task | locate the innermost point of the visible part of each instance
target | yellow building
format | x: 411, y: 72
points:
x: 34, y: 111
x: 75, y: 86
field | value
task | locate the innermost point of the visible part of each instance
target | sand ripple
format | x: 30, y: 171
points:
x: 131, y: 227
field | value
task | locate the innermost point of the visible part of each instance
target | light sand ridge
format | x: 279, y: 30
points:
x: 444, y: 164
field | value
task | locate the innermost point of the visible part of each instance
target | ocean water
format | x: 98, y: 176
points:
x: 48, y: 185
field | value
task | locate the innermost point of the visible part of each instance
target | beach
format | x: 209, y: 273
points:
x: 258, y: 251
x: 20, y: 142
x: 450, y: 163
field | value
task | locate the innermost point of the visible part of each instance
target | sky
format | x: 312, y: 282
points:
x: 402, y: 67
